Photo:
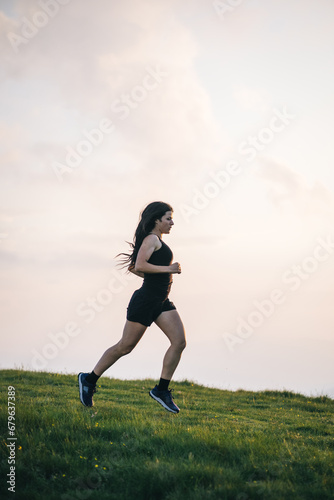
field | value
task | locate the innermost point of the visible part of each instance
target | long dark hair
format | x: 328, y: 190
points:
x: 148, y: 216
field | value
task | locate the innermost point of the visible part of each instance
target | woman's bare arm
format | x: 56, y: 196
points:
x: 137, y: 273
x: 149, y: 245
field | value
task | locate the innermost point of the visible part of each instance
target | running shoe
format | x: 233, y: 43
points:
x: 86, y: 390
x: 165, y: 399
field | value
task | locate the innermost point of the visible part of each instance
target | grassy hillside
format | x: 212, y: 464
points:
x: 222, y: 445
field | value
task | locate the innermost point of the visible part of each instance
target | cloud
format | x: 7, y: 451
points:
x: 288, y: 191
x: 75, y: 70
x: 220, y: 79
x: 102, y: 58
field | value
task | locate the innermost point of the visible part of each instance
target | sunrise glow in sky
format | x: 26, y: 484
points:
x: 223, y: 109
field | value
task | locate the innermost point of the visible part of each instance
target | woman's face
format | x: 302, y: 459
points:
x: 165, y: 224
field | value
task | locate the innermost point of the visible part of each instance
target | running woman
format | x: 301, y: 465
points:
x: 150, y: 259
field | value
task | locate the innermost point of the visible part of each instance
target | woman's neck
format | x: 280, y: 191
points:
x: 157, y: 233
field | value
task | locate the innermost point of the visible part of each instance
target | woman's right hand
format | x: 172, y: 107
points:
x: 175, y: 268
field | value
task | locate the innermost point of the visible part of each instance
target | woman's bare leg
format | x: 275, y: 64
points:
x: 170, y: 323
x: 132, y: 334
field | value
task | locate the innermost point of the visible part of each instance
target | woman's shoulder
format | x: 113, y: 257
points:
x: 153, y: 239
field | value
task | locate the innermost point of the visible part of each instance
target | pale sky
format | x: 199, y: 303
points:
x: 224, y: 110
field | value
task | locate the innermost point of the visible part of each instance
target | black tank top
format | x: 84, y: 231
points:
x: 159, y: 283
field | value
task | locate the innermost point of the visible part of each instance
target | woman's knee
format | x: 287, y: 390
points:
x: 125, y: 349
x: 180, y: 344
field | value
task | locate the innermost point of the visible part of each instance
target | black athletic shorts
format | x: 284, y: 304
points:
x: 145, y: 307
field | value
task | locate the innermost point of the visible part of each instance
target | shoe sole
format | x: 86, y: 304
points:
x: 80, y: 391
x: 162, y: 403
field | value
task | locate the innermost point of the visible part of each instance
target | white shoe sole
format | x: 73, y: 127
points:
x: 162, y: 403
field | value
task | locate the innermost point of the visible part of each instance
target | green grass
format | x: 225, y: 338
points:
x: 222, y: 445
